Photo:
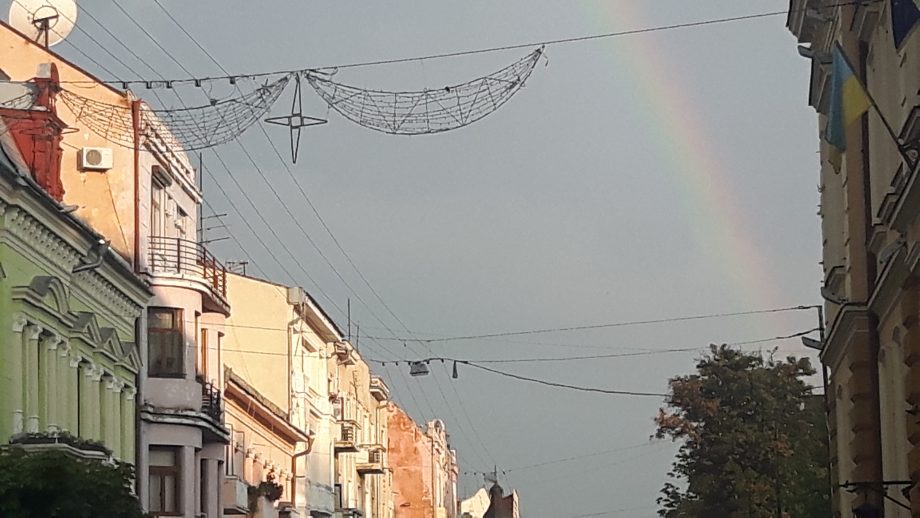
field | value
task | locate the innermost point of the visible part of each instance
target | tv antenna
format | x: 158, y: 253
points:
x: 47, y: 22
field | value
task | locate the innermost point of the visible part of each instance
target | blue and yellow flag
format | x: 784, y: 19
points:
x: 849, y: 100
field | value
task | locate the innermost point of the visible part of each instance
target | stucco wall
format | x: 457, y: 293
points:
x: 257, y: 345
x: 105, y: 199
x: 411, y: 463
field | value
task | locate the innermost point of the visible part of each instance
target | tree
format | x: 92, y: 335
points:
x: 53, y: 484
x: 754, y: 439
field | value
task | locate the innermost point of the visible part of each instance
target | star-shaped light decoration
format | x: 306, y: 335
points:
x: 296, y: 121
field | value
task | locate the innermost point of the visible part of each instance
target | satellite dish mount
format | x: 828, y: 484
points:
x: 44, y: 20
x: 47, y: 22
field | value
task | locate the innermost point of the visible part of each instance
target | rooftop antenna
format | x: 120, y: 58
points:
x: 46, y: 22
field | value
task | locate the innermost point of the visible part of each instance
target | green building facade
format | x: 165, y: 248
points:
x: 68, y: 306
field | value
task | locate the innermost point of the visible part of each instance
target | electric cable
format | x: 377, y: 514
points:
x: 610, y: 325
x: 325, y: 226
x: 516, y: 46
x: 335, y: 240
x: 261, y: 217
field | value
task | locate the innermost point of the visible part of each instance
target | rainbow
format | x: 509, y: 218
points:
x: 720, y: 225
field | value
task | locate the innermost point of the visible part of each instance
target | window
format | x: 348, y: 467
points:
x: 181, y: 222
x: 203, y: 492
x: 164, y: 481
x: 203, y: 353
x: 159, y: 181
x: 164, y: 342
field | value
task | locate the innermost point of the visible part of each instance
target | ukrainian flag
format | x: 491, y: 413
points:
x: 849, y: 100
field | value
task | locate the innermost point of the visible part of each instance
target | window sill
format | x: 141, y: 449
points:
x: 177, y: 375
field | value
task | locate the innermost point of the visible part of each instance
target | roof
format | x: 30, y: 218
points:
x: 11, y: 165
x: 60, y: 58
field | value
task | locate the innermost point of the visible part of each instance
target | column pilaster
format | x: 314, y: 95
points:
x: 117, y: 424
x: 72, y: 375
x: 67, y: 392
x: 49, y: 382
x: 31, y: 334
x: 105, y: 409
x: 128, y: 438
x: 15, y: 371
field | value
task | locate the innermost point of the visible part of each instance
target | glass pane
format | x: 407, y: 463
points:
x: 169, y: 493
x: 156, y: 489
x: 160, y: 318
x: 160, y: 457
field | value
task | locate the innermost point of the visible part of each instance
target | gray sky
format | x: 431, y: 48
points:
x: 634, y: 178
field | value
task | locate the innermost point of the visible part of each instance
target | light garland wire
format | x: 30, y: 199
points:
x: 426, y: 111
x: 191, y: 128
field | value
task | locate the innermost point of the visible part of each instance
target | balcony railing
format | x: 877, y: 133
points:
x: 346, y: 442
x: 212, y: 402
x: 183, y: 256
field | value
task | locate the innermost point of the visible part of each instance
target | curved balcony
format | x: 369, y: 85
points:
x: 186, y: 260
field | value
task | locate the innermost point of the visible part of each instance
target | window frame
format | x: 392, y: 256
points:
x: 161, y: 472
x: 177, y: 317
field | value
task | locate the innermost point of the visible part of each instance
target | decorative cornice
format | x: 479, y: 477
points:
x: 19, y: 322
x: 115, y: 385
x: 38, y: 236
x: 106, y: 294
x: 51, y: 341
x: 32, y: 331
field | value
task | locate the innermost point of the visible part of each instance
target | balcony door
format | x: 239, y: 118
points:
x: 158, y: 202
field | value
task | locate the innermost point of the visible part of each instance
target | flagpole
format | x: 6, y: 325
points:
x: 894, y: 137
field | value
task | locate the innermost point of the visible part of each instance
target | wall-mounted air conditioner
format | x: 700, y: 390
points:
x: 95, y: 159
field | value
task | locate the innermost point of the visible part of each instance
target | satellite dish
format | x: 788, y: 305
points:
x: 46, y: 21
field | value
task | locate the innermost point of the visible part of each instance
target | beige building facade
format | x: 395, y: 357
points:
x: 144, y: 199
x: 870, y: 204
x: 425, y: 468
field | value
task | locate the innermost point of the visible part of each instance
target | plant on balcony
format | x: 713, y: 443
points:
x: 53, y: 483
x: 268, y: 489
x: 61, y: 438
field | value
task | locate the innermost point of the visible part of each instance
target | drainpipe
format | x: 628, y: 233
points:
x: 99, y: 250
x: 136, y: 127
x: 310, y: 440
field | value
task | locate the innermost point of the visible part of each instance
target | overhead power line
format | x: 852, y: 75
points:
x: 611, y: 355
x: 515, y: 46
x: 607, y: 325
x: 296, y: 220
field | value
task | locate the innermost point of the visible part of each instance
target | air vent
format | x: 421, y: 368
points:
x: 95, y: 159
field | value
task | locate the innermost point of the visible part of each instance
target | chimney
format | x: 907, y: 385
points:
x: 38, y: 132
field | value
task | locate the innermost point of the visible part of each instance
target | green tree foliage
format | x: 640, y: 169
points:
x: 53, y: 484
x: 754, y: 439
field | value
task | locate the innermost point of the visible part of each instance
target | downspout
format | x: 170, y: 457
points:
x: 310, y: 440
x: 136, y: 127
x: 871, y: 268
x: 139, y: 447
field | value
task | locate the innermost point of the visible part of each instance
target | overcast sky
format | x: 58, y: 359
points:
x: 657, y: 175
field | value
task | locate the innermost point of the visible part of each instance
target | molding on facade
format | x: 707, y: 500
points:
x: 184, y: 417
x: 852, y: 320
x: 37, y: 236
x: 19, y: 322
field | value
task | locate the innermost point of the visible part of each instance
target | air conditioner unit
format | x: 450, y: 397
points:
x: 95, y: 159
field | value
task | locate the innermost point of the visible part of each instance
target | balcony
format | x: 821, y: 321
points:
x: 379, y: 389
x: 345, y: 353
x: 236, y: 496
x: 186, y: 260
x: 346, y: 442
x: 212, y: 403
x: 374, y: 464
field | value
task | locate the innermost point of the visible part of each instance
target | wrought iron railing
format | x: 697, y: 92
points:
x: 183, y: 256
x: 211, y: 401
x: 348, y: 432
